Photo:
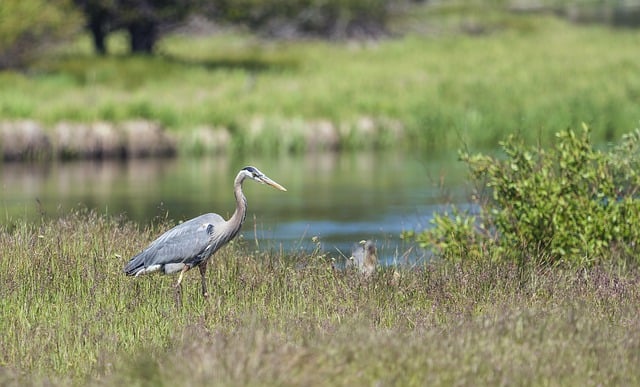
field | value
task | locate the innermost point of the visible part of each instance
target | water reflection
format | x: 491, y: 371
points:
x: 341, y: 198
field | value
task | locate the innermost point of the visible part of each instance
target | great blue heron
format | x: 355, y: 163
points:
x: 192, y: 242
x: 363, y: 257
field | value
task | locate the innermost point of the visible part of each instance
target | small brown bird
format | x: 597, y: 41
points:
x: 364, y: 258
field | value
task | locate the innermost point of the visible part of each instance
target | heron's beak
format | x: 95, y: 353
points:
x: 272, y: 183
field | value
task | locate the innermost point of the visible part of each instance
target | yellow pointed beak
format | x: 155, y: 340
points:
x: 272, y: 183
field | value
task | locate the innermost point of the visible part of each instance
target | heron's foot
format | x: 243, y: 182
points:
x: 205, y: 290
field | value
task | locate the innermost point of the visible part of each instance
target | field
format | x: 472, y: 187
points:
x: 534, y: 75
x: 70, y: 316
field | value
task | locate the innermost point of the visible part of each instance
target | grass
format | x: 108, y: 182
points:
x: 529, y: 74
x: 70, y: 317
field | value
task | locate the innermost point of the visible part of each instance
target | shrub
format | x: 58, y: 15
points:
x: 27, y: 25
x: 572, y: 204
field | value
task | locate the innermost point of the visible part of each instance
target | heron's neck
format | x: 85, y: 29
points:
x: 236, y: 220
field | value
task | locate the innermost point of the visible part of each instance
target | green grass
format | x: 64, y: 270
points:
x: 528, y: 74
x: 70, y: 316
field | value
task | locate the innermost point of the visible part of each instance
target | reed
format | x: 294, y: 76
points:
x: 70, y: 317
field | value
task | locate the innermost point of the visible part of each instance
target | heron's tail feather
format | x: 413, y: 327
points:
x: 135, y: 264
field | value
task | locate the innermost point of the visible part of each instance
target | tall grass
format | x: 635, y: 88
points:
x: 533, y: 75
x: 69, y: 316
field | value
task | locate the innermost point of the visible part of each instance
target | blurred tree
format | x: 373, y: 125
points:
x: 26, y: 25
x: 323, y: 18
x: 100, y: 15
x: 142, y: 19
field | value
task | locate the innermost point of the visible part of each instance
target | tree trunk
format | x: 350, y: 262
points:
x: 98, y: 28
x: 142, y: 36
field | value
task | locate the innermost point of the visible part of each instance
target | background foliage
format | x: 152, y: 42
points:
x: 571, y: 204
x: 294, y: 18
x: 428, y: 92
x: 30, y: 25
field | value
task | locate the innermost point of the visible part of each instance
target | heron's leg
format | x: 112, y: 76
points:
x: 203, y: 271
x: 178, y: 286
x: 179, y: 296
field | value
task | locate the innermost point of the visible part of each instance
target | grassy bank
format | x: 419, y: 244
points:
x: 533, y: 75
x: 69, y: 316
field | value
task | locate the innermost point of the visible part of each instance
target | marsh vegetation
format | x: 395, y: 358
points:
x: 547, y: 293
x: 69, y: 316
x: 548, y: 311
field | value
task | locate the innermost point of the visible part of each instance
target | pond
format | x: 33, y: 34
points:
x: 340, y: 198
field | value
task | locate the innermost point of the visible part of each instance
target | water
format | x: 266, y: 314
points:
x: 338, y: 198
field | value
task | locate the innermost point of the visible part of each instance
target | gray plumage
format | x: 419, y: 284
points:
x: 191, y: 243
x: 188, y: 243
x: 363, y: 257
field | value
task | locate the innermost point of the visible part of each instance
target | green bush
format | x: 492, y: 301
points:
x: 26, y: 25
x: 571, y: 205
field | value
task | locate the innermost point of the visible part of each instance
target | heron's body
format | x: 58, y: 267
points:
x: 186, y: 245
x: 193, y: 242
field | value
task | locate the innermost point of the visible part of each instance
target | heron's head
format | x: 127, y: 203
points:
x: 369, y: 246
x: 254, y: 173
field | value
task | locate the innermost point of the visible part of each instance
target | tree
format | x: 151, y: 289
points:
x: 100, y: 14
x: 142, y: 19
x: 26, y: 25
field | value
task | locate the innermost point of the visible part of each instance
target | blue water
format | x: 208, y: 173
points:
x: 338, y: 198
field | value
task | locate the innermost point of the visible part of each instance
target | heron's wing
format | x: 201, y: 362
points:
x: 189, y: 242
